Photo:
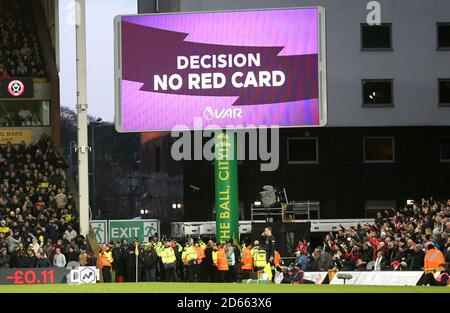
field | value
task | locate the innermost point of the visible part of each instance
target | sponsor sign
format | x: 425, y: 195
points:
x: 15, y: 136
x: 32, y: 276
x: 379, y: 278
x: 316, y: 277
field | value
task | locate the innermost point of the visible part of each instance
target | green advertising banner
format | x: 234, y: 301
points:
x: 226, y: 186
x: 129, y: 229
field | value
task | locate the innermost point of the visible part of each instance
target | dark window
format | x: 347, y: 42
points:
x: 302, y: 150
x: 443, y: 34
x: 24, y: 113
x: 444, y: 91
x: 377, y: 92
x: 379, y: 149
x: 445, y: 149
x: 376, y: 37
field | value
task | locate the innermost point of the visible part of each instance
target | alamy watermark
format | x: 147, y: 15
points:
x: 374, y: 16
x: 255, y: 138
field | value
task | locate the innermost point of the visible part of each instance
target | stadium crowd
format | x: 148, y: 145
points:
x: 19, y: 49
x: 39, y: 228
x: 38, y: 220
x: 408, y: 238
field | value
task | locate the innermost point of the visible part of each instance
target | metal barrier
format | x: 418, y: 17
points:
x: 287, y: 213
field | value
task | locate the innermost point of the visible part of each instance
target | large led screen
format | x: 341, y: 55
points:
x: 219, y: 69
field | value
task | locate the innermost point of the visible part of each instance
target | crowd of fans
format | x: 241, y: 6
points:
x: 39, y: 228
x: 399, y: 240
x: 38, y: 219
x: 19, y: 49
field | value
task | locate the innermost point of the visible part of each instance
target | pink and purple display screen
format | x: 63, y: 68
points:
x: 248, y: 68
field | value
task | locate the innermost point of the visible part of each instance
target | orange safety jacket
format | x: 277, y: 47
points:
x: 433, y: 259
x: 200, y: 253
x: 222, y: 261
x: 247, y: 259
x: 103, y: 260
x: 277, y: 258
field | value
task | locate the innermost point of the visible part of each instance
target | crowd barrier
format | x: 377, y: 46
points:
x: 377, y: 278
x: 91, y: 275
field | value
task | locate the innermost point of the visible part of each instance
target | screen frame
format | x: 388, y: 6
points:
x: 322, y: 66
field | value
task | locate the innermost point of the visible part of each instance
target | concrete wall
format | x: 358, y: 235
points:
x: 414, y: 64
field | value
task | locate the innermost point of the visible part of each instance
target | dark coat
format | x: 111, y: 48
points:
x: 208, y: 261
x: 416, y: 260
x: 150, y: 259
x: 325, y: 261
x: 118, y: 264
x: 43, y: 263
x: 5, y: 261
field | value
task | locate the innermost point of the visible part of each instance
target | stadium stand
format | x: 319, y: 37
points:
x: 37, y: 211
x: 403, y: 239
x: 20, y: 54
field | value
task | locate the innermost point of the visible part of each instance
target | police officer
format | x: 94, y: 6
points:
x: 189, y: 257
x: 169, y: 261
x: 259, y: 257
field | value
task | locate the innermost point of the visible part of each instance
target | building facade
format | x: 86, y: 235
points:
x: 388, y: 133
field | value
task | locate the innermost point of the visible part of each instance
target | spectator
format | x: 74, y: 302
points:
x: 13, y: 242
x: 60, y: 199
x: 5, y: 258
x: 150, y: 261
x: 302, y: 259
x: 43, y: 261
x: 70, y: 233
x: 380, y: 262
x: 325, y: 260
x: 59, y: 260
x: 71, y: 255
x: 416, y: 258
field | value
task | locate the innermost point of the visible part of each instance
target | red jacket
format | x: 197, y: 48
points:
x: 374, y: 242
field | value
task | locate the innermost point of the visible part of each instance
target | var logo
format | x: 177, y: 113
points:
x: 211, y: 113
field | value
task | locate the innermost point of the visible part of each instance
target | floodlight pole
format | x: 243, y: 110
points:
x: 82, y: 147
